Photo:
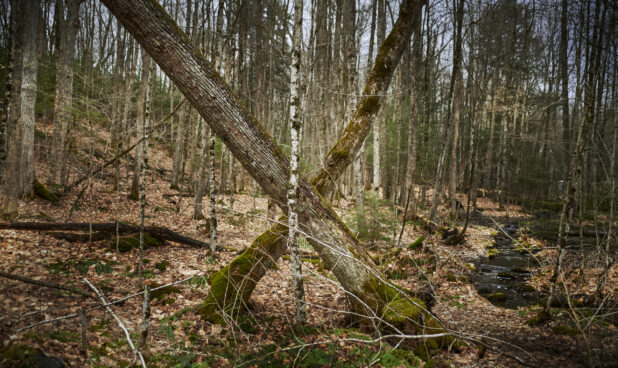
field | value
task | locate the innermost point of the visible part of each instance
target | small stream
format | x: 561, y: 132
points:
x: 502, y: 278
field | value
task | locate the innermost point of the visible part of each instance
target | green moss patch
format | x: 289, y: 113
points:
x: 565, y: 330
x: 127, y: 243
x: 497, y: 297
x: 42, y: 191
x: 161, y: 293
x: 23, y: 356
x: 417, y: 243
x: 539, y: 318
x: 162, y: 266
x: 231, y: 286
x: 64, y: 336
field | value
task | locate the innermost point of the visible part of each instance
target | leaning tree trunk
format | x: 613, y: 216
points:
x: 370, y: 295
x: 235, y: 283
x: 64, y: 89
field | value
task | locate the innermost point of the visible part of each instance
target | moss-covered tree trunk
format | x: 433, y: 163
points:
x: 233, y: 285
x: 369, y: 294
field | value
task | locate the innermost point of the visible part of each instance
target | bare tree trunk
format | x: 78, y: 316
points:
x: 490, y: 147
x: 406, y: 195
x: 12, y: 92
x: 146, y: 127
x: 130, y: 75
x: 201, y: 181
x: 452, y: 101
x: 68, y: 28
x: 377, y: 182
x: 456, y: 105
x: 115, y: 141
x: 213, y: 198
x: 141, y: 122
x: 295, y: 122
x: 577, y: 158
x: 564, y: 76
x: 19, y: 171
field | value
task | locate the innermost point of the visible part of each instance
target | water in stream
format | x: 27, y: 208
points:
x: 502, y: 278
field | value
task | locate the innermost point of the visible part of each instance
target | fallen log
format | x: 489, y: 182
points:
x: 433, y: 227
x: 81, y: 237
x: 161, y: 233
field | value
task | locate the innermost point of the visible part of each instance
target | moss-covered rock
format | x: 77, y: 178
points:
x: 417, y: 243
x: 497, y: 297
x: 565, y: 330
x: 163, y: 292
x: 126, y: 243
x: 162, y: 266
x: 23, y: 356
x: 539, y: 318
x: 527, y: 288
x: 450, y: 277
x: 492, y: 253
x: 42, y: 191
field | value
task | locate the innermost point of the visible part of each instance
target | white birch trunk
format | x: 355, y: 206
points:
x: 295, y: 130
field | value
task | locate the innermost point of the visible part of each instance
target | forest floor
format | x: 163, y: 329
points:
x: 178, y: 337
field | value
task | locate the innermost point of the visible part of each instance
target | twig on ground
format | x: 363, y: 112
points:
x: 136, y: 353
x: 73, y: 315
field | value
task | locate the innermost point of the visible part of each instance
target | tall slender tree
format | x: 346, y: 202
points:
x: 19, y: 166
x: 67, y: 28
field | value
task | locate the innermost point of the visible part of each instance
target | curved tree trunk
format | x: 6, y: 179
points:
x: 368, y: 292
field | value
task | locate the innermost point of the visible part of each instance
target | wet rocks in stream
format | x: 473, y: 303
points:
x: 502, y: 276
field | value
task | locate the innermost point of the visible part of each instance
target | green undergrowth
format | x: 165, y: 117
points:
x: 71, y: 265
x: 295, y: 348
x: 375, y: 222
x: 331, y: 355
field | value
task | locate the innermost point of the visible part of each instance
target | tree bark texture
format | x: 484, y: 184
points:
x: 368, y: 292
x: 295, y: 122
x: 234, y: 284
x: 19, y: 170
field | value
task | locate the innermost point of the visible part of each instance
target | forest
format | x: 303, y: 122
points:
x: 308, y: 183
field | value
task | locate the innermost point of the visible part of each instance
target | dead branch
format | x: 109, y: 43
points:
x: 161, y: 233
x: 117, y: 301
x: 136, y: 353
x: 46, y: 284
